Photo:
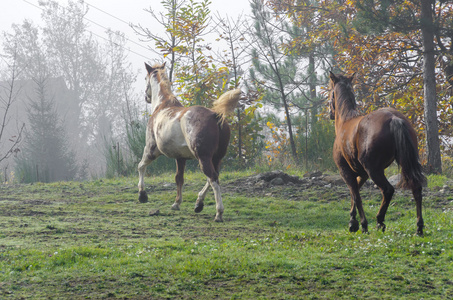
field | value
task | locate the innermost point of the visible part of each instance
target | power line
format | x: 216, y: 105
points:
x: 129, y: 24
x: 115, y: 17
x: 97, y: 24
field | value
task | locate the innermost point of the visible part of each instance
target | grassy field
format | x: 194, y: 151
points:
x: 93, y: 240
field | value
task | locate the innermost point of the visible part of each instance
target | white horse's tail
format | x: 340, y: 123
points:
x: 226, y: 104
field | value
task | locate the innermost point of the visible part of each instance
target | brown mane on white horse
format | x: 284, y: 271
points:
x: 184, y: 133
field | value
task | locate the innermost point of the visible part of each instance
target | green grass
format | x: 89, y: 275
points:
x: 93, y: 240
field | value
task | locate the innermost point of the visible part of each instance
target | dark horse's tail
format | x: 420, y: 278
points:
x: 407, y: 154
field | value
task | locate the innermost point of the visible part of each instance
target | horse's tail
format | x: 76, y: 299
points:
x: 407, y: 154
x: 226, y: 104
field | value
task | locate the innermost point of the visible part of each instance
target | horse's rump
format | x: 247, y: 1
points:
x: 387, y: 135
x: 203, y: 130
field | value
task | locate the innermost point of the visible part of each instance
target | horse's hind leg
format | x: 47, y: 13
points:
x: 201, y: 195
x: 150, y: 153
x: 387, y: 191
x: 208, y: 169
x: 179, y: 179
x: 417, y: 192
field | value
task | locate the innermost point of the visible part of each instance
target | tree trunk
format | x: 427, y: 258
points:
x: 239, y: 135
x: 312, y: 87
x: 434, y: 164
x: 290, y: 129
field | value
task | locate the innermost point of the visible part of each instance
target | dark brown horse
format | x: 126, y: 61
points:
x: 184, y: 133
x: 367, y: 144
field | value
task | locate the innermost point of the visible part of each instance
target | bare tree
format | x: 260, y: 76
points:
x: 232, y: 32
x: 96, y: 74
x: 10, y: 144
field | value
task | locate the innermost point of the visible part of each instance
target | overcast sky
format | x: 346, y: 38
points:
x: 116, y: 15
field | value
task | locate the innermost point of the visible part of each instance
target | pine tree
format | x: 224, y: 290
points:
x: 274, y: 69
x: 45, y: 156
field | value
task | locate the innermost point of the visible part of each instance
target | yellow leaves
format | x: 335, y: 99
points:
x: 277, y: 143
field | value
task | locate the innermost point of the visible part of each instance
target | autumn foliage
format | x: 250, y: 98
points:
x: 380, y: 41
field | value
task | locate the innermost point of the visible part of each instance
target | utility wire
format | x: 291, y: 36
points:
x: 121, y: 20
x: 97, y: 24
x: 115, y: 17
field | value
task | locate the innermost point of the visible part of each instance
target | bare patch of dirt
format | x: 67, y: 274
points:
x: 331, y: 187
x: 265, y: 184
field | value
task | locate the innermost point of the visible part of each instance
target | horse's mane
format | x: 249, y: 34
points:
x: 345, y: 99
x: 164, y: 83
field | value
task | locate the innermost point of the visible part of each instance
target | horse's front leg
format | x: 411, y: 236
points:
x: 363, y: 221
x: 142, y: 196
x: 179, y: 178
x: 356, y: 203
x: 354, y: 184
x: 150, y: 153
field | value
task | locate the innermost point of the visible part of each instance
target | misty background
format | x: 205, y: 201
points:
x: 72, y: 80
x: 71, y: 87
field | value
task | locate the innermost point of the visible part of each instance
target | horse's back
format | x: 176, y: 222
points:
x: 377, y: 123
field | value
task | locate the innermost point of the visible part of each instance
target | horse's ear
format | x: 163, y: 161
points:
x: 149, y: 69
x: 352, y: 77
x: 163, y: 65
x: 333, y: 77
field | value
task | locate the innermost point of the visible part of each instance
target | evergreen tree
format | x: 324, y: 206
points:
x: 45, y: 156
x: 274, y: 69
x: 96, y: 73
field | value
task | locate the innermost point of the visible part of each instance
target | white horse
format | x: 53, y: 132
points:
x: 184, y: 133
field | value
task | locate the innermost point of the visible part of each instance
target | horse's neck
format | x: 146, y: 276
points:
x: 347, y: 111
x: 161, y: 96
x: 353, y: 116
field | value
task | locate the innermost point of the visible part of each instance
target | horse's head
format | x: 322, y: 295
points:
x: 332, y: 104
x: 340, y: 86
x: 155, y: 75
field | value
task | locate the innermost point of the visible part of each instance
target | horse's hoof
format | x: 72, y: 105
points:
x: 218, y: 219
x: 353, y: 226
x: 175, y: 206
x: 381, y: 226
x: 199, y: 207
x: 364, y: 230
x: 420, y: 226
x: 143, y: 197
